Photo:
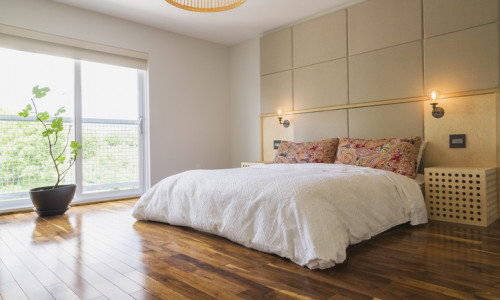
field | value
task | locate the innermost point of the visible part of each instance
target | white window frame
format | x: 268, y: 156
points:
x: 38, y: 42
x: 80, y: 197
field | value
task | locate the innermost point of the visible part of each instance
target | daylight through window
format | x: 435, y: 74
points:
x: 104, y: 106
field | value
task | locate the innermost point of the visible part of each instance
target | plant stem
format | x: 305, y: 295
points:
x: 50, y: 145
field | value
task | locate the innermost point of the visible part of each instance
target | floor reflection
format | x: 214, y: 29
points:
x: 48, y: 228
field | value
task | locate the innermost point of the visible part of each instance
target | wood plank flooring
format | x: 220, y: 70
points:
x: 100, y: 252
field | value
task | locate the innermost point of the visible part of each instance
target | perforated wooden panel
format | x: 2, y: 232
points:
x: 461, y: 195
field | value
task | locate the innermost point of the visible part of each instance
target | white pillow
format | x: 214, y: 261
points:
x: 420, y: 153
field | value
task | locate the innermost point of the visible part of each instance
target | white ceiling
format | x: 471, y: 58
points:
x: 251, y: 19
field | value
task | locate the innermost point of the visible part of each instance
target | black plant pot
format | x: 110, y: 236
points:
x: 51, y: 202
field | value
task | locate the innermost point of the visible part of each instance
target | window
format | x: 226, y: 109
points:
x: 104, y: 105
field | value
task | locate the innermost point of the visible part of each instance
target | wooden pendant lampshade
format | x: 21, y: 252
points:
x: 206, y: 5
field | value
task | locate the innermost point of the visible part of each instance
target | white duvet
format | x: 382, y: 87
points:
x: 309, y: 213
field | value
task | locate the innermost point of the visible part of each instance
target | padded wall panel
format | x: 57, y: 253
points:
x: 474, y: 116
x: 385, y: 121
x: 321, y: 39
x: 320, y: 85
x: 320, y: 125
x: 464, y: 60
x: 445, y: 16
x: 390, y: 73
x: 276, y: 52
x: 276, y: 92
x: 377, y: 24
x: 272, y: 130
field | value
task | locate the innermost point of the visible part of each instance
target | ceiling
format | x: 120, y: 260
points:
x: 250, y: 20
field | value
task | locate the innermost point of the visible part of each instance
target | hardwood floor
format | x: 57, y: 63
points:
x: 100, y: 252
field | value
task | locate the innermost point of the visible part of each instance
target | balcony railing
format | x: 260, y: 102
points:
x: 110, y: 156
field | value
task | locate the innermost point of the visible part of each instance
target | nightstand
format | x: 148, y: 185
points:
x: 461, y: 195
x: 251, y: 163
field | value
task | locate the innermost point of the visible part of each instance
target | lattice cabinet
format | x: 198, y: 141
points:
x: 461, y: 195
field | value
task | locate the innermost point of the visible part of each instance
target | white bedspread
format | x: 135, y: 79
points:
x: 308, y: 213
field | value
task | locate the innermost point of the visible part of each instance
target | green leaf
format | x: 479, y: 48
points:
x: 23, y: 114
x: 75, y: 145
x: 61, y: 159
x: 40, y: 92
x: 60, y: 111
x: 26, y: 111
x: 48, y: 132
x: 43, y: 116
x: 75, y: 149
x: 57, y: 124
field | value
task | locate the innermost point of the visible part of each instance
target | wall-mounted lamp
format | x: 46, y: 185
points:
x: 285, y: 123
x: 437, y: 112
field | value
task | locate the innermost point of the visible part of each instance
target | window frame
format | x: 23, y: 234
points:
x: 81, y: 197
x: 37, y: 42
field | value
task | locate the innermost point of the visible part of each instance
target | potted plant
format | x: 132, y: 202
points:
x: 55, y: 199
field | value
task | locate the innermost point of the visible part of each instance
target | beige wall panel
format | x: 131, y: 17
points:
x: 377, y: 24
x: 272, y: 130
x: 444, y: 16
x: 321, y: 39
x: 320, y: 125
x: 474, y: 116
x: 390, y: 73
x: 320, y: 85
x: 464, y: 60
x: 276, y: 92
x: 386, y: 121
x: 276, y: 52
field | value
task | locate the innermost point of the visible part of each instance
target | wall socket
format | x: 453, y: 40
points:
x: 276, y: 144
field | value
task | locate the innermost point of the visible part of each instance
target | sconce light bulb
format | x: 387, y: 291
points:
x: 279, y: 111
x: 434, y: 94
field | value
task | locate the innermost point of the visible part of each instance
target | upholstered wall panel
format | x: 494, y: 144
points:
x: 377, y: 24
x: 321, y: 39
x: 474, y: 116
x: 320, y: 85
x: 276, y: 52
x: 445, y: 16
x: 463, y: 60
x: 320, y: 125
x: 390, y: 73
x: 272, y: 130
x: 393, y: 120
x: 276, y: 92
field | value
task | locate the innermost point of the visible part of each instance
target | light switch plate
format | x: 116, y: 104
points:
x: 457, y: 140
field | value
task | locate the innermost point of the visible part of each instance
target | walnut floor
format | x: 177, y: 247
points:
x: 100, y: 252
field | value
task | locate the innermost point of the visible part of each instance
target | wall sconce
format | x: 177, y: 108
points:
x: 437, y: 112
x: 285, y: 123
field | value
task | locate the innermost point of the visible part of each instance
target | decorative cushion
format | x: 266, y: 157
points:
x: 398, y: 155
x: 310, y: 152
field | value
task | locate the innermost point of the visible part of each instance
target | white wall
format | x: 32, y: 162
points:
x: 188, y: 81
x: 244, y: 73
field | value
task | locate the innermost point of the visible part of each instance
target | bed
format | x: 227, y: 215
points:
x: 306, y: 212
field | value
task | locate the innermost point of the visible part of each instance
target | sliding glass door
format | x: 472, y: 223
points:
x: 104, y: 105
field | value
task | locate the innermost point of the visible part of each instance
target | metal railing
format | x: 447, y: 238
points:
x: 110, y: 155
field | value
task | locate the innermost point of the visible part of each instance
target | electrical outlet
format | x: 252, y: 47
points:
x: 276, y: 144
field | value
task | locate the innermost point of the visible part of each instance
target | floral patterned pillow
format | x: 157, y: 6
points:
x: 310, y: 152
x: 398, y: 155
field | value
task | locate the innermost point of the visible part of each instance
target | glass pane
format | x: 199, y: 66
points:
x: 110, y: 128
x: 24, y: 158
